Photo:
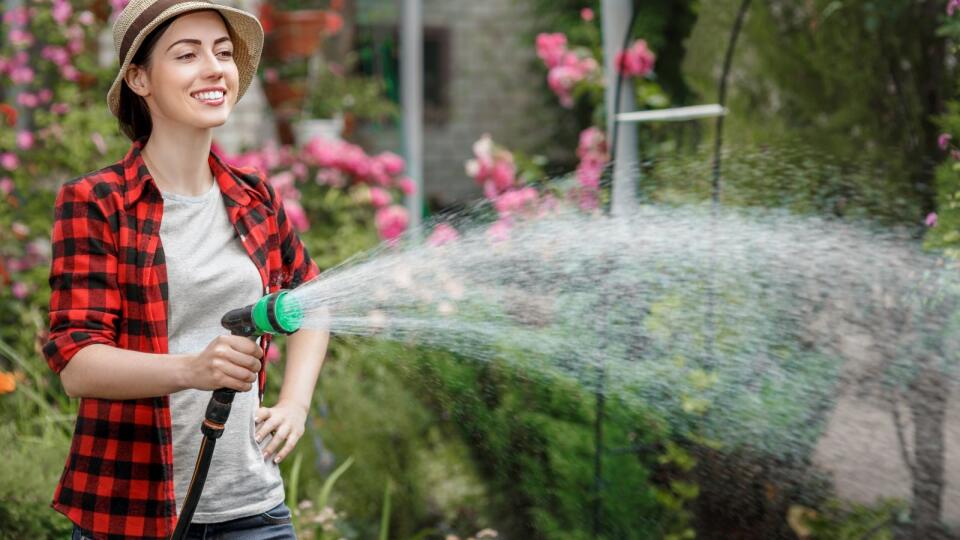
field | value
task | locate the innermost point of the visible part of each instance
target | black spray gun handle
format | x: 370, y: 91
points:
x: 218, y: 409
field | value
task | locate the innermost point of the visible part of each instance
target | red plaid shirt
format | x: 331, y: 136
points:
x: 109, y: 285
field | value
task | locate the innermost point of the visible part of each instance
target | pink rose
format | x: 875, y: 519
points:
x: 551, y: 47
x: 392, y: 163
x: 60, y: 108
x: 283, y: 183
x: 28, y: 100
x: 21, y: 38
x: 515, y: 202
x: 61, y: 11
x: 45, y: 95
x: 6, y: 185
x: 296, y: 214
x: 586, y: 14
x: 21, y: 75
x: 931, y: 220
x: 499, y: 231
x: 379, y: 197
x: 25, y: 140
x: 19, y: 290
x: 943, y: 141
x: 9, y: 161
x: 391, y: 222
x: 57, y: 55
x: 504, y: 173
x: 442, y: 234
x: 69, y: 73
x: 86, y: 18
x: 407, y: 186
x: 118, y: 6
x: 18, y: 16
x: 952, y: 7
x: 273, y: 354
x: 637, y: 61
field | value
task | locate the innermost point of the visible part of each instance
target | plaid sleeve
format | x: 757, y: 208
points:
x: 85, y: 297
x: 298, y: 267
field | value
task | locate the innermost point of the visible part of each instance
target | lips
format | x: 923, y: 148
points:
x: 212, y: 96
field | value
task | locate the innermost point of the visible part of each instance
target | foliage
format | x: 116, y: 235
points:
x: 852, y: 83
x: 837, y: 520
x: 333, y: 94
x: 364, y: 410
x: 946, y: 221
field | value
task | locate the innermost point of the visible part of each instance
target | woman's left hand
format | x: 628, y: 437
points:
x: 285, y: 421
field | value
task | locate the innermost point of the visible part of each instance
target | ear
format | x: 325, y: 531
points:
x: 138, y: 80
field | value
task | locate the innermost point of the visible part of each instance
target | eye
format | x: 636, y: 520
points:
x: 185, y: 56
x: 225, y: 54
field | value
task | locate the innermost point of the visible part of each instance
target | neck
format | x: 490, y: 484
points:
x: 178, y: 160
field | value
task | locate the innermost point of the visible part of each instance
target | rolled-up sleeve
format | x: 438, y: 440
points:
x: 298, y: 267
x: 85, y: 297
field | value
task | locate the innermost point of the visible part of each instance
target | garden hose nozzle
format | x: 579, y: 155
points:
x: 276, y: 313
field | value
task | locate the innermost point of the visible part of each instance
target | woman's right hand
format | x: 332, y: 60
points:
x: 227, y: 362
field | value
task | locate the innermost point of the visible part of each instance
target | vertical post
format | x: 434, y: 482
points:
x: 616, y: 25
x: 411, y: 93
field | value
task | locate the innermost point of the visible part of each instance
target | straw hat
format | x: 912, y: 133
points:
x: 140, y: 17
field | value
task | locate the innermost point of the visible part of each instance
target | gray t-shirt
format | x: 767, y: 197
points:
x: 209, y: 273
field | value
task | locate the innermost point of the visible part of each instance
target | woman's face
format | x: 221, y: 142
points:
x: 192, y: 78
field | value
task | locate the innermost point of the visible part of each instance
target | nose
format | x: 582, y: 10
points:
x: 212, y: 68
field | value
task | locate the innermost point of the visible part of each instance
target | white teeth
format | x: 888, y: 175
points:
x: 209, y: 96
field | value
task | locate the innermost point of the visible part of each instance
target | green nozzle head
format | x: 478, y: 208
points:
x: 276, y: 313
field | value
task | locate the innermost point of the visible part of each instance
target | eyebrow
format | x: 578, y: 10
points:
x: 197, y: 41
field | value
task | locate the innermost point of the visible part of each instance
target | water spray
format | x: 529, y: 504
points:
x: 275, y: 313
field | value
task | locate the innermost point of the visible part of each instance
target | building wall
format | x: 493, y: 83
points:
x: 494, y: 89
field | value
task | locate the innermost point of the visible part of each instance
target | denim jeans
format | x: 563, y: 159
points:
x: 274, y: 524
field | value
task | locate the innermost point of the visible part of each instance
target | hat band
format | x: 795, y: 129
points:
x: 143, y: 20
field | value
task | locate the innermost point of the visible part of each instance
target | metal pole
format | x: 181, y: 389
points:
x: 411, y: 92
x: 616, y: 22
x: 722, y: 98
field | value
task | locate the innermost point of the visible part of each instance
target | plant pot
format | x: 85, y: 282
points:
x: 324, y: 128
x: 297, y: 34
x: 284, y: 94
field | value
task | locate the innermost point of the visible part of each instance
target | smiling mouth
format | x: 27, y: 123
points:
x: 211, y: 97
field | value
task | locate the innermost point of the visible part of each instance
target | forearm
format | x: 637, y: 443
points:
x: 102, y: 371
x: 306, y: 350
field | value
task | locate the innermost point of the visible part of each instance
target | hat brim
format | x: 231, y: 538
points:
x: 245, y: 32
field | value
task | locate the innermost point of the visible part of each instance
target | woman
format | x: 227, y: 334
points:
x: 149, y: 253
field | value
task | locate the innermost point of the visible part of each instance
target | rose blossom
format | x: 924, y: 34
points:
x: 391, y: 222
x: 442, y: 234
x: 25, y: 140
x: 379, y: 197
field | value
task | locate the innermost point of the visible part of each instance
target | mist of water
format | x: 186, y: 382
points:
x: 765, y: 316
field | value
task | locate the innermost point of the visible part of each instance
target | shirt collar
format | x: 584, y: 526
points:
x: 137, y: 178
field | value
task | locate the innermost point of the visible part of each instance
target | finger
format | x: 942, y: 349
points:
x: 267, y: 427
x: 235, y: 384
x: 245, y: 345
x: 288, y: 446
x: 232, y: 371
x: 243, y: 360
x: 281, y: 435
x: 262, y: 414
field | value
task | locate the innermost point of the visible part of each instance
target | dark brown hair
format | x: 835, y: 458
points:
x: 132, y: 112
